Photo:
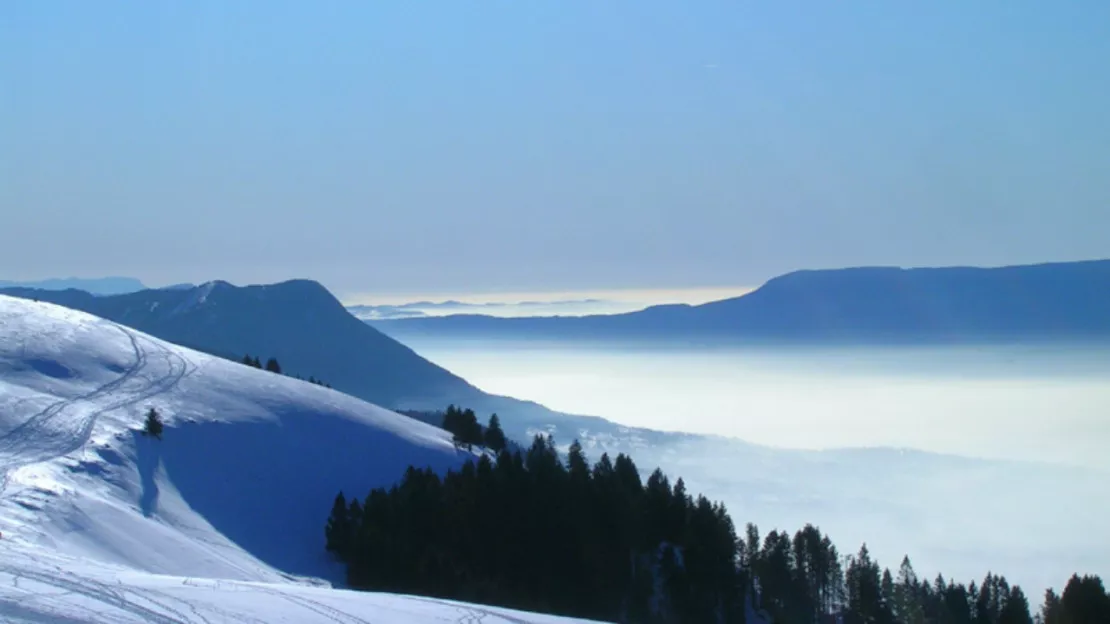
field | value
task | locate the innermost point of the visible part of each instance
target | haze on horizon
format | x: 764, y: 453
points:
x: 388, y: 148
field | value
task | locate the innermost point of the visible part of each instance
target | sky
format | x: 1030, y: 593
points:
x: 571, y: 146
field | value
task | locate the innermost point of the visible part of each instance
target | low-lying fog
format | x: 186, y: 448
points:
x: 1034, y: 522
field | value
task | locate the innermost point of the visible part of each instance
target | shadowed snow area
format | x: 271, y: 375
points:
x: 221, y: 520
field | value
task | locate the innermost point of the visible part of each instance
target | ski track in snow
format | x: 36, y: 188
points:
x: 60, y: 428
x: 115, y: 597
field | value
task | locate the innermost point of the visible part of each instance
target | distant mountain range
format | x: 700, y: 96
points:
x: 421, y: 309
x: 96, y: 286
x: 870, y: 305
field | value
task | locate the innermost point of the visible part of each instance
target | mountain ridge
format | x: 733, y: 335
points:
x: 112, y: 285
x: 296, y: 321
x: 305, y: 327
x: 1065, y: 300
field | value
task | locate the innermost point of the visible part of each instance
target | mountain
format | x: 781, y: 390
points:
x: 881, y: 304
x: 310, y: 333
x: 221, y: 519
x: 297, y: 322
x: 96, y: 286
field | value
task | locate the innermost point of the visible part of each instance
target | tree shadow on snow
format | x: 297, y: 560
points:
x: 149, y: 456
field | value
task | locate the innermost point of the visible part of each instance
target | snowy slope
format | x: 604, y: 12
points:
x: 39, y: 586
x: 207, y: 524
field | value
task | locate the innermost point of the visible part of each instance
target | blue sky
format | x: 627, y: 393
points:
x: 497, y: 146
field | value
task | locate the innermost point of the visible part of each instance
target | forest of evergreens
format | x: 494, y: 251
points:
x: 535, y: 531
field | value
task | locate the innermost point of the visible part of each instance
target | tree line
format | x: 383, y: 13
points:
x: 468, y: 432
x: 536, y: 531
x: 273, y: 366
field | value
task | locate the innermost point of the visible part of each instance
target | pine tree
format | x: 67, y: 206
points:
x: 1016, y: 608
x: 1084, y: 600
x: 577, y: 465
x: 247, y: 361
x: 257, y: 363
x: 495, y: 437
x: 1051, y: 609
x: 451, y: 423
x: 153, y: 426
x: 338, y: 528
x: 273, y: 366
x: 471, y: 433
x: 907, y: 607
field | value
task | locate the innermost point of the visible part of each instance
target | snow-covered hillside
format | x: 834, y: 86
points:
x: 221, y: 520
x: 39, y: 586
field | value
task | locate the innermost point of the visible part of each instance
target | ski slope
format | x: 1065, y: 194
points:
x: 222, y: 520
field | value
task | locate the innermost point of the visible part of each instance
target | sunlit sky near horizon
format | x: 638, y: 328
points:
x: 501, y: 149
x: 632, y: 297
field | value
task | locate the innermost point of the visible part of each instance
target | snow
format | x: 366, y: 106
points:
x: 38, y: 586
x: 222, y: 520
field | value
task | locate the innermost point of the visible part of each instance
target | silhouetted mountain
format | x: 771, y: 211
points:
x: 96, y: 286
x: 1033, y: 302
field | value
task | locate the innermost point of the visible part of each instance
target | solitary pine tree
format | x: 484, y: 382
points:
x: 495, y: 437
x: 247, y: 360
x: 153, y: 425
x: 273, y: 366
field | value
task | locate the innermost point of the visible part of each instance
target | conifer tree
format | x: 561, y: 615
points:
x: 907, y: 607
x: 1051, y: 609
x: 495, y: 436
x: 1084, y: 600
x: 153, y: 425
x: 451, y: 423
x: 471, y: 433
x: 577, y: 465
x: 273, y: 366
x: 338, y: 528
x: 1015, y: 610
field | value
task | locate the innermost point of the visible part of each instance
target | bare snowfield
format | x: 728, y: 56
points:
x: 222, y: 520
